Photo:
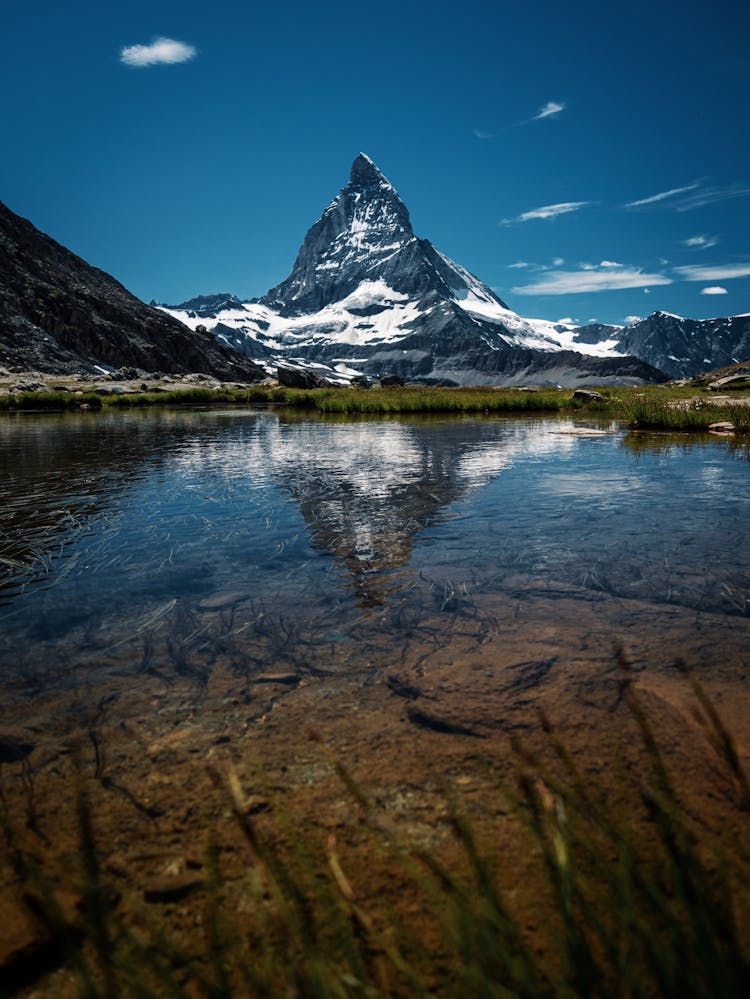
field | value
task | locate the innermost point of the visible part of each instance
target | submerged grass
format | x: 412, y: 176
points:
x: 641, y: 407
x: 641, y: 901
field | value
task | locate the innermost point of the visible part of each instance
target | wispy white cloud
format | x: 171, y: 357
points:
x: 715, y: 272
x: 701, y: 242
x: 610, y: 263
x: 661, y: 196
x: 633, y: 319
x: 714, y: 290
x: 162, y: 51
x: 711, y: 195
x: 519, y: 265
x: 558, y: 261
x: 594, y: 279
x: 548, y: 110
x: 548, y: 211
x: 479, y: 134
x: 567, y: 321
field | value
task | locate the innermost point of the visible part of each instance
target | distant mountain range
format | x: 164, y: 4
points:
x: 58, y: 314
x: 367, y: 296
x: 683, y: 348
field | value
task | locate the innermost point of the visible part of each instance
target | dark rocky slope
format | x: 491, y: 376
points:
x: 59, y: 314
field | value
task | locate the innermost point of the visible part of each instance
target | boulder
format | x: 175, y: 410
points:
x: 391, y: 381
x: 586, y: 395
x: 298, y: 378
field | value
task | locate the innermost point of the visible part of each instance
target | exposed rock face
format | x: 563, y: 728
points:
x: 367, y: 293
x: 59, y: 314
x: 298, y: 378
x: 686, y: 347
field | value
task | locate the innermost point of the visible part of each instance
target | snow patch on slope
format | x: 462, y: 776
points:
x: 387, y: 319
x: 376, y: 313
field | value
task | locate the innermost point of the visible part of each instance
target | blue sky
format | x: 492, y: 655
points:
x: 516, y: 134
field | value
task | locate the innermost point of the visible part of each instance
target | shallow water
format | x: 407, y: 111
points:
x: 160, y: 540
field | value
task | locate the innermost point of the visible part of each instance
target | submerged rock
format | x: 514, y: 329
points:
x: 13, y: 748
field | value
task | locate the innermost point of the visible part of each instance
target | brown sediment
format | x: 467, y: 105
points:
x: 401, y: 712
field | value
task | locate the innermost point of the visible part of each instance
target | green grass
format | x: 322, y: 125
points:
x: 640, y: 899
x: 645, y: 407
x: 417, y: 399
x: 658, y: 414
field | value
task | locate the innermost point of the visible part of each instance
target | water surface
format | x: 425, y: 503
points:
x: 155, y: 540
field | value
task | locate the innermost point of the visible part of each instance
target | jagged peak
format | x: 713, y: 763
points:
x: 665, y: 315
x: 365, y: 173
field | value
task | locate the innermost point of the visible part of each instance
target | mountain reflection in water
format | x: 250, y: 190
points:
x: 367, y: 490
x: 113, y: 524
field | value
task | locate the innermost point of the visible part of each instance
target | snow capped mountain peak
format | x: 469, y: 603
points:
x: 358, y: 237
x: 367, y: 293
x: 364, y: 173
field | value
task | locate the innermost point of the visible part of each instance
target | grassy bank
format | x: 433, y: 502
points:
x: 633, y: 897
x: 642, y: 407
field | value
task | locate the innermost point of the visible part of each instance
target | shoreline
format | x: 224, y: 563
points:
x: 673, y: 407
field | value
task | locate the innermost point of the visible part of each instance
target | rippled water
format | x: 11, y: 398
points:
x: 150, y: 540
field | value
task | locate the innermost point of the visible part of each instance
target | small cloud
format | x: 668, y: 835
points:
x: 548, y: 211
x: 717, y: 272
x: 591, y: 279
x: 701, y: 242
x: 479, y: 134
x: 609, y: 263
x: 558, y: 262
x: 646, y: 291
x: 661, y: 196
x: 663, y: 261
x: 633, y: 319
x: 518, y: 265
x: 587, y: 267
x: 162, y: 51
x: 592, y: 319
x: 714, y: 290
x: 566, y: 321
x: 548, y: 110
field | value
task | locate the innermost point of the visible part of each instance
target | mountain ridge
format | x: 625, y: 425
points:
x: 366, y: 295
x: 62, y: 315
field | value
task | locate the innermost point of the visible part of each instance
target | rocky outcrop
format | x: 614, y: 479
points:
x: 59, y: 314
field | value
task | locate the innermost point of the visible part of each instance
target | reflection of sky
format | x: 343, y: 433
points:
x: 371, y: 459
x: 201, y: 503
x: 592, y: 485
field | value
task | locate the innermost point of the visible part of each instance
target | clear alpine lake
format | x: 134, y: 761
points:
x: 176, y: 527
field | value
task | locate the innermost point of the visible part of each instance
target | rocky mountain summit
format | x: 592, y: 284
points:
x: 367, y: 296
x: 60, y: 315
